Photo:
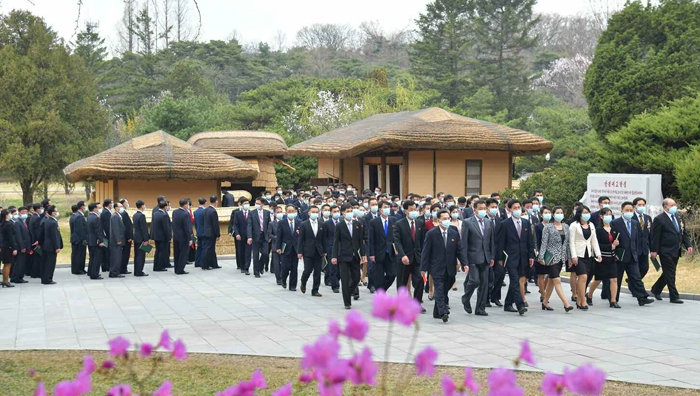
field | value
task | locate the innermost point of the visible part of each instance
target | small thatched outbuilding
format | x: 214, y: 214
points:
x: 424, y: 152
x: 259, y: 149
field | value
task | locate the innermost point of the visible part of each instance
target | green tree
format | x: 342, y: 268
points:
x: 50, y: 115
x: 90, y: 46
x: 186, y: 78
x: 441, y: 54
x: 687, y: 173
x: 647, y: 57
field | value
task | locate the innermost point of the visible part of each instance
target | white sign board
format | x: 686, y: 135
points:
x: 621, y: 187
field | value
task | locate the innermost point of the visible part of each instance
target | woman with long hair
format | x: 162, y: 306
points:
x: 606, y: 269
x: 583, y: 244
x: 555, y: 241
x: 9, y: 246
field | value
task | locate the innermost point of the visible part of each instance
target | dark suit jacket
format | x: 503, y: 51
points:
x: 309, y: 244
x: 596, y: 219
x: 161, y: 227
x: 78, y: 228
x: 128, y: 226
x: 519, y: 249
x: 22, y: 235
x: 468, y: 212
x: 228, y: 200
x: 95, y: 231
x: 199, y: 220
x: 288, y: 236
x: 646, y: 232
x: 239, y: 224
x: 253, y: 225
x: 346, y: 247
x: 117, y: 232
x: 480, y: 249
x: 274, y: 223
x: 141, y: 234
x: 664, y: 237
x: 52, y: 237
x: 631, y: 243
x: 438, y: 258
x: 182, y: 226
x: 329, y: 236
x: 379, y: 245
x: 9, y: 240
x: 34, y: 228
x: 104, y: 218
x: 403, y: 240
x: 211, y: 223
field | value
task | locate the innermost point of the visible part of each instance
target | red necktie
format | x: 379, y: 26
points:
x: 413, y: 231
x: 245, y: 215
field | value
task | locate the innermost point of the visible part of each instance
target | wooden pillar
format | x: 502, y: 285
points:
x: 116, y: 190
x: 434, y: 173
x: 383, y: 175
x: 404, y: 185
x: 341, y: 174
x: 510, y: 171
x: 362, y: 174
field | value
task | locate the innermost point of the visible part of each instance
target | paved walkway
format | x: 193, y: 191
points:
x: 224, y: 311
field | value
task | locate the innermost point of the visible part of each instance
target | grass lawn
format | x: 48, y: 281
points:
x: 204, y: 374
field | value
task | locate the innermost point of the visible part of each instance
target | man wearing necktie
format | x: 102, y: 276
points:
x: 349, y: 248
x: 478, y: 240
x: 238, y: 228
x: 258, y: 233
x: 381, y: 247
x: 408, y: 240
x: 668, y: 239
x: 644, y: 223
x: 329, y: 234
x: 515, y: 250
x: 311, y: 250
x: 630, y: 242
x: 288, y: 235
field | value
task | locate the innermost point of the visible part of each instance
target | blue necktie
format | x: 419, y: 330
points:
x: 629, y: 227
x: 675, y: 223
x: 386, y: 228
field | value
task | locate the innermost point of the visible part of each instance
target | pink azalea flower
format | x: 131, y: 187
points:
x: 164, y: 340
x: 356, y: 327
x: 89, y: 365
x: 384, y: 306
x: 408, y: 308
x: 585, y: 380
x: 108, y: 365
x: 306, y: 378
x: 525, y: 354
x: 501, y: 378
x: 258, y: 380
x: 553, y: 384
x: 321, y: 353
x: 246, y: 388
x: 334, y: 329
x: 79, y: 386
x: 40, y: 389
x: 179, y: 350
x: 362, y: 369
x: 286, y: 390
x: 31, y: 373
x: 332, y: 377
x: 146, y: 349
x: 469, y: 382
x: 120, y: 390
x: 166, y: 389
x: 118, y: 346
x: 425, y: 362
x: 448, y: 387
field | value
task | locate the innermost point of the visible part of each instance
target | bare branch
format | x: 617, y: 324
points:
x: 77, y: 20
x: 199, y: 27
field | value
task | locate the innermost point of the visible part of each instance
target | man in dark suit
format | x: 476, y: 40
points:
x: 502, y: 214
x: 95, y: 238
x: 288, y: 235
x: 497, y: 273
x: 211, y: 235
x: 199, y: 229
x: 515, y: 250
x: 441, y: 249
x: 479, y: 242
x: 603, y: 202
x: 78, y: 240
x: 274, y: 232
x: 228, y: 200
x: 644, y: 221
x: 35, y: 232
x: 24, y: 245
x: 329, y: 236
x: 159, y: 199
x: 117, y: 240
x: 74, y: 252
x: 141, y: 237
x: 630, y: 239
x: 381, y: 247
x: 349, y: 248
x: 668, y: 238
x: 409, y: 235
x: 238, y: 228
x: 161, y: 232
x: 105, y: 217
x: 258, y: 232
x: 51, y: 246
x: 182, y: 235
x: 311, y: 250
x: 129, y: 233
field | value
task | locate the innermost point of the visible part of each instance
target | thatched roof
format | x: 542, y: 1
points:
x: 242, y: 143
x: 159, y: 156
x: 427, y: 129
x: 267, y: 177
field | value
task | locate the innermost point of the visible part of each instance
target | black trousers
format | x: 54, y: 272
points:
x: 668, y: 277
x: 290, y: 266
x: 126, y: 253
x: 260, y: 257
x: 209, y: 259
x: 115, y: 259
x: 243, y: 253
x: 499, y: 275
x: 106, y: 259
x: 191, y: 255
x: 37, y: 265
x: 312, y: 264
x: 162, y: 259
x: 199, y: 253
x: 139, y: 259
x: 412, y: 270
x: 96, y: 257
x: 513, y: 295
x: 180, y: 251
x: 443, y: 285
x: 643, y: 265
x: 49, y: 266
x: 477, y: 279
x: 384, y: 272
x: 77, y: 258
x: 349, y: 279
x: 634, y: 281
x: 277, y: 265
x: 19, y: 267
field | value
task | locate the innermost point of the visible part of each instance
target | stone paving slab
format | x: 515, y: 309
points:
x: 224, y: 311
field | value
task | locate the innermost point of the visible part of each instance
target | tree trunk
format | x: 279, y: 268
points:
x: 45, y: 190
x: 27, y: 192
x: 88, y: 190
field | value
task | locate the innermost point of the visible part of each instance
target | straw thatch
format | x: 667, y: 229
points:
x: 267, y: 177
x: 427, y: 129
x: 159, y: 156
x: 242, y: 143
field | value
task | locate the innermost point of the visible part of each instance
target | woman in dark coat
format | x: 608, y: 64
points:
x: 9, y: 246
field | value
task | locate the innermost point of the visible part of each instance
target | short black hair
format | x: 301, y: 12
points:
x: 448, y: 196
x: 36, y: 206
x: 202, y: 200
x: 107, y: 202
x: 625, y: 204
x: 121, y: 201
x: 604, y: 211
x: 80, y: 204
x: 92, y: 206
x: 526, y: 201
x: 407, y: 204
x: 636, y: 201
x: 441, y: 211
x: 213, y: 198
x: 462, y: 200
x: 21, y: 208
x: 513, y: 202
x: 345, y: 207
x: 603, y: 198
x: 45, y: 202
x: 490, y: 201
x: 74, y: 208
x: 184, y: 201
x: 495, y: 195
x: 139, y: 204
x: 242, y: 200
x: 162, y: 204
x: 50, y: 209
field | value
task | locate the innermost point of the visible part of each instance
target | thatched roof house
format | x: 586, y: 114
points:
x: 445, y: 152
x: 261, y: 150
x: 158, y: 164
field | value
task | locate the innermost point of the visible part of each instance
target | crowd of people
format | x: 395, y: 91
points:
x: 374, y: 240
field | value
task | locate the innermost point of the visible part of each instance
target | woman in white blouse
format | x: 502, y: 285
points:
x: 456, y: 222
x: 583, y: 244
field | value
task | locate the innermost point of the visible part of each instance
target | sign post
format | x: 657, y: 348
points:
x: 621, y: 187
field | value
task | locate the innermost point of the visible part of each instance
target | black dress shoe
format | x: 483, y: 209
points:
x: 488, y: 305
x: 356, y: 297
x: 126, y: 273
x: 303, y: 289
x: 21, y: 281
x: 678, y: 301
x: 292, y: 289
x: 423, y: 310
x: 581, y: 307
x: 372, y: 289
x: 347, y: 307
x: 242, y: 270
x: 284, y: 285
x: 336, y: 290
x: 182, y: 273
x: 468, y: 308
x: 510, y: 309
x: 614, y: 305
x: 569, y: 308
x: 279, y: 283
x: 316, y: 294
x: 8, y: 284
x: 481, y: 312
x: 216, y: 267
x: 547, y: 308
x: 96, y: 278
x: 257, y: 275
x: 658, y: 297
x: 205, y: 269
x: 525, y: 304
x: 160, y: 270
x: 82, y: 273
x: 644, y: 301
x: 445, y: 318
x: 48, y: 283
x: 522, y: 311
x: 589, y: 301
x: 497, y: 303
x: 116, y: 276
x: 247, y: 272
x: 144, y: 274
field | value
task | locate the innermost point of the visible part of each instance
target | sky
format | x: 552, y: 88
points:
x: 256, y: 20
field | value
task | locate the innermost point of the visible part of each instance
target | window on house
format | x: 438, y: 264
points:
x: 473, y: 182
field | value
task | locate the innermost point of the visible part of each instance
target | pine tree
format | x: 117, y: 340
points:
x: 90, y: 46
